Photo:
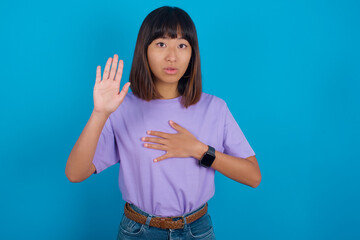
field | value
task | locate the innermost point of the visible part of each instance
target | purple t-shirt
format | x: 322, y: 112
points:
x: 173, y: 186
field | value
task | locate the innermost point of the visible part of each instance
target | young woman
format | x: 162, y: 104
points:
x: 168, y: 136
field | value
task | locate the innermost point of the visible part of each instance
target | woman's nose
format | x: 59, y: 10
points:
x: 171, y: 55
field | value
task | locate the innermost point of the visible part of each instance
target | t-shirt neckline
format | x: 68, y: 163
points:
x: 170, y: 100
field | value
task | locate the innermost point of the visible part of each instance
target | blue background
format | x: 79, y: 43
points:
x: 289, y: 71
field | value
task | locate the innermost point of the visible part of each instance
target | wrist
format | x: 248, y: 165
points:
x: 100, y: 114
x: 201, y: 149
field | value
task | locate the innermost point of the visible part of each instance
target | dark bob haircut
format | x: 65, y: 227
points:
x: 163, y: 22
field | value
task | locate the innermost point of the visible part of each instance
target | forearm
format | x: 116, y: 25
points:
x: 239, y: 169
x: 81, y: 156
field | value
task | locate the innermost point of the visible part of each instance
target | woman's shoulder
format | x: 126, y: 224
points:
x: 210, y: 98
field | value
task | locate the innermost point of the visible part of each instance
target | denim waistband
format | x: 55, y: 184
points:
x: 136, y: 209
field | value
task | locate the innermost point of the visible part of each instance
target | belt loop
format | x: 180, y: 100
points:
x: 147, y: 224
x: 184, y: 223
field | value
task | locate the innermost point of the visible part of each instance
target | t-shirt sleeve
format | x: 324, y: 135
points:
x: 235, y: 143
x: 106, y: 153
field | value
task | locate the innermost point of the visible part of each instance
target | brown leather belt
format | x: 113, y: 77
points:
x: 163, y: 222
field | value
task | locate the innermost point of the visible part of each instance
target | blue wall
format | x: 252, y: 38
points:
x: 289, y: 71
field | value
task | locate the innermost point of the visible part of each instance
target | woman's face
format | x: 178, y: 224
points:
x: 169, y: 58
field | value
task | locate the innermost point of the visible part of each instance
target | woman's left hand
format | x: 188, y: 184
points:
x: 181, y: 144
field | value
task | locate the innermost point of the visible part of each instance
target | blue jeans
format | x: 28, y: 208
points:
x: 202, y: 228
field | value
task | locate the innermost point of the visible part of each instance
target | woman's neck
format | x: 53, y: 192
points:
x: 168, y: 91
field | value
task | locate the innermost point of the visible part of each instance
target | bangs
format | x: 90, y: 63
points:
x: 171, y: 23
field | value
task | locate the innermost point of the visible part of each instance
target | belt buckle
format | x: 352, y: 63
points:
x: 183, y: 220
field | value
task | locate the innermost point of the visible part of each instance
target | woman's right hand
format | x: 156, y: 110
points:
x: 107, y: 97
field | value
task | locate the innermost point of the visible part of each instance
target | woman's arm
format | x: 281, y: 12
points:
x: 79, y: 165
x: 243, y: 170
x: 185, y: 144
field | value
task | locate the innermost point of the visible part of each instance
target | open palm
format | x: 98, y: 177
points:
x: 107, y: 97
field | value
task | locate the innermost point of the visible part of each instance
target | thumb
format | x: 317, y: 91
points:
x: 124, y: 90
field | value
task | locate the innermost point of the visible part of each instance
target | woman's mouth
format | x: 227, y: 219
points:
x: 170, y: 70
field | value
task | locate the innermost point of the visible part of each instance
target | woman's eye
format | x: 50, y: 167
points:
x: 182, y: 45
x: 161, y: 44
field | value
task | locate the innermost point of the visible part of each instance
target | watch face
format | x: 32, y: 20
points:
x: 207, y: 160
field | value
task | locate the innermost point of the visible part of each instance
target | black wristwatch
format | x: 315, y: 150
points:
x: 208, y: 157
